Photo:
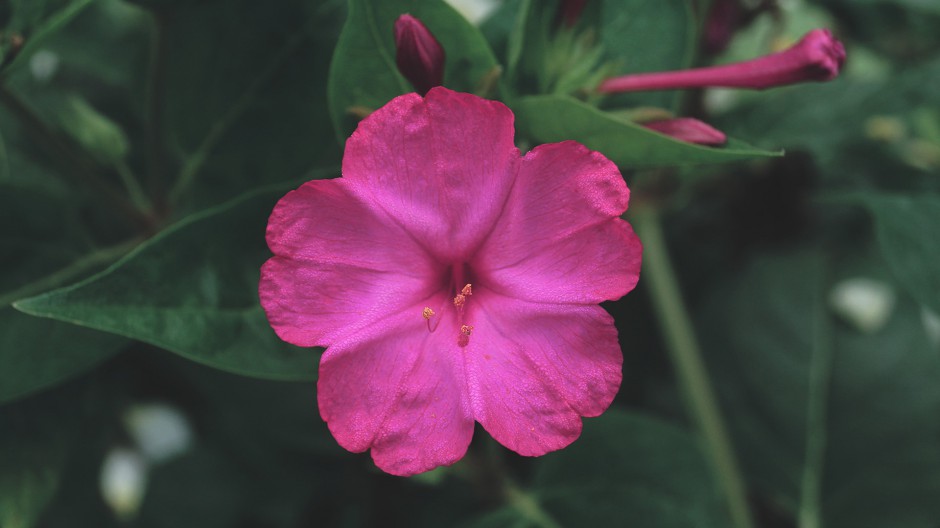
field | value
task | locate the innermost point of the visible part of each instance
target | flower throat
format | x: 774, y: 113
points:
x: 460, y: 301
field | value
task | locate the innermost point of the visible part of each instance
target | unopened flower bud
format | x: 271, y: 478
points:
x: 724, y: 17
x: 570, y: 11
x: 689, y: 130
x: 419, y: 55
x: 818, y: 56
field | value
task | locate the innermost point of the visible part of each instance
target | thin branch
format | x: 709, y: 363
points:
x: 678, y: 332
x: 195, y: 161
x: 155, y: 106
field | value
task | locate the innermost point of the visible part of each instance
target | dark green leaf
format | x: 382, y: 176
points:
x: 906, y: 228
x: 37, y: 236
x: 628, y: 469
x: 823, y: 415
x: 37, y: 353
x: 553, y: 118
x: 625, y: 470
x: 39, y: 435
x: 363, y: 74
x: 245, y: 95
x: 648, y: 35
x: 191, y: 290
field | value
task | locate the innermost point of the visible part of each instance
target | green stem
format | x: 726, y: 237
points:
x: 134, y: 189
x: 153, y: 112
x: 490, y: 476
x: 686, y: 358
x: 527, y: 505
x: 195, y: 161
x: 820, y: 369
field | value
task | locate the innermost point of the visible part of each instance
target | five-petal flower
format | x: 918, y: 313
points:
x: 453, y: 280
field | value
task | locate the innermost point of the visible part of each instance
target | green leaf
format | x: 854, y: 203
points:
x: 554, y: 118
x: 836, y: 426
x: 37, y: 234
x: 625, y: 470
x: 906, y: 230
x: 38, y: 353
x: 192, y: 290
x: 245, y: 95
x: 38, y: 436
x: 363, y: 73
x: 648, y: 35
x: 628, y: 469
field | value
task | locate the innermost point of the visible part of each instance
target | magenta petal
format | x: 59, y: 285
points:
x: 330, y: 275
x: 560, y: 238
x: 535, y: 368
x: 400, y: 390
x: 440, y: 166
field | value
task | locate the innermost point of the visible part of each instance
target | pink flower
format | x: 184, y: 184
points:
x: 818, y: 56
x: 689, y: 130
x: 454, y: 281
x: 419, y: 56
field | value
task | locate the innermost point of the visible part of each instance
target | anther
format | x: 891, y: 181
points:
x: 428, y: 313
x: 463, y: 339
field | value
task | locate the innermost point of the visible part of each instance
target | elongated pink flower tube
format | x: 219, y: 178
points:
x: 818, y: 56
x: 452, y: 281
x: 689, y: 130
x: 419, y: 56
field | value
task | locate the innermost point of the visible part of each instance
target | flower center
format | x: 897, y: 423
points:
x: 461, y: 297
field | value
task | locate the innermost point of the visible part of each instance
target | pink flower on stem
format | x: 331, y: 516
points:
x: 818, y: 56
x: 453, y: 280
x: 419, y: 56
x: 688, y: 129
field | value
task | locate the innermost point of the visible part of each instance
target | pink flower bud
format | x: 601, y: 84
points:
x: 723, y: 20
x: 570, y: 11
x: 818, y: 56
x: 689, y: 130
x: 419, y: 55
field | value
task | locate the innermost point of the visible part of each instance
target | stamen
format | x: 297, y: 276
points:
x: 428, y: 313
x: 464, y: 338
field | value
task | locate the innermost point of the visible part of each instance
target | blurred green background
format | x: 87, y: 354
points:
x: 143, y: 144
